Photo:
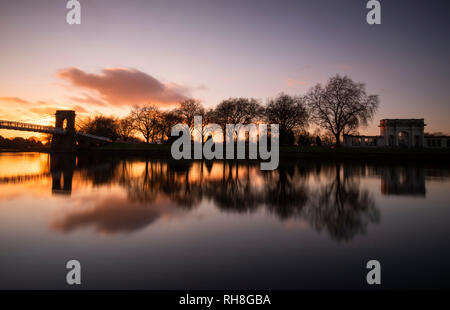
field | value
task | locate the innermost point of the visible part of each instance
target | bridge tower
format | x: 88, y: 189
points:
x: 64, y: 120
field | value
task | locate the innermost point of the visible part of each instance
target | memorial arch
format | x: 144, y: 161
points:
x: 394, y: 133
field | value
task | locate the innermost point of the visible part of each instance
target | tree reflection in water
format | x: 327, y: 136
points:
x: 300, y: 191
x: 342, y: 208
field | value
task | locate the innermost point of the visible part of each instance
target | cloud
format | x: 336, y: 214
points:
x: 346, y: 67
x: 121, y: 86
x: 44, y: 110
x: 51, y: 110
x: 295, y: 82
x: 116, y: 214
x: 86, y: 99
x: 14, y: 100
x: 79, y: 109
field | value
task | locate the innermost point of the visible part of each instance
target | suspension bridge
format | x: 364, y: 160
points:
x: 65, y: 137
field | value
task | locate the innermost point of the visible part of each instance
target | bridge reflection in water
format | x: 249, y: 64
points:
x: 62, y: 167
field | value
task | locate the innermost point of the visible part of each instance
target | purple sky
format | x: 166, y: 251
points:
x: 133, y: 52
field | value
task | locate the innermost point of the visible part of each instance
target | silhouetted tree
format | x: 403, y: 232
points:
x: 305, y: 139
x: 289, y: 113
x: 318, y: 141
x: 147, y: 121
x: 341, y: 105
x: 169, y: 119
x: 101, y: 126
x: 188, y: 109
x: 19, y: 143
x: 236, y: 111
x: 126, y: 128
x: 208, y: 118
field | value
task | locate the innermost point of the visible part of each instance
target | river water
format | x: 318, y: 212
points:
x: 143, y: 223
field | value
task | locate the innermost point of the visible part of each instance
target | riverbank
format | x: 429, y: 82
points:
x: 427, y: 154
x: 163, y: 150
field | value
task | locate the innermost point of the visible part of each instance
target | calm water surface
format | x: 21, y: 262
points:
x: 138, y: 223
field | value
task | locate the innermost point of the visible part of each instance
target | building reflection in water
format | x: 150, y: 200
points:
x: 326, y: 195
x: 403, y: 181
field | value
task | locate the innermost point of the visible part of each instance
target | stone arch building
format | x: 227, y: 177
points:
x: 402, y: 132
x: 398, y: 133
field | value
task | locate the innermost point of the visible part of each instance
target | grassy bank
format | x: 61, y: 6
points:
x: 163, y: 150
x: 442, y: 154
x: 299, y: 152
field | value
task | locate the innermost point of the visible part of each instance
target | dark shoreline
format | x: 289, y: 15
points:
x: 163, y: 151
x: 397, y: 154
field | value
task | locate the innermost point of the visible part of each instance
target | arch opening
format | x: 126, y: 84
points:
x: 403, y: 138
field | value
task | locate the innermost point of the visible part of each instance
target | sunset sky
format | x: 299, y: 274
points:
x: 134, y: 52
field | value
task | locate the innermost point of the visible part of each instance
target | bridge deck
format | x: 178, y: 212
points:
x: 87, y: 135
x: 45, y: 129
x: 30, y: 127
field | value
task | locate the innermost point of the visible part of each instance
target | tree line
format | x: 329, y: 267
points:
x: 339, y: 107
x: 20, y: 143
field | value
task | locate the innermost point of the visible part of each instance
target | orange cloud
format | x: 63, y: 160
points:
x: 86, y: 99
x: 121, y: 86
x: 51, y: 109
x: 13, y: 100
